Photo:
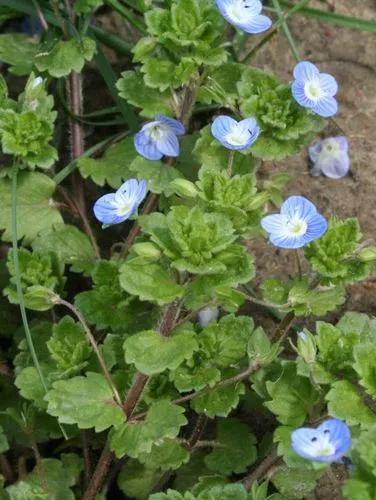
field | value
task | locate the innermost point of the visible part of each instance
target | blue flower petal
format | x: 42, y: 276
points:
x: 168, y: 144
x: 305, y: 71
x: 298, y: 92
x: 287, y: 242
x: 298, y: 205
x: 328, y: 84
x: 303, y: 443
x: 316, y: 227
x: 334, y: 168
x: 340, y: 435
x: 314, y: 151
x: 146, y: 147
x: 257, y: 24
x: 222, y: 126
x: 274, y: 223
x: 106, y: 210
x: 175, y: 125
x: 326, y: 107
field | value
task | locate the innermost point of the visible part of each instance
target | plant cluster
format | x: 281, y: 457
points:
x: 137, y: 367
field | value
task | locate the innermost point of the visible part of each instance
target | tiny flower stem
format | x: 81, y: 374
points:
x: 298, y: 264
x: 59, y: 301
x: 230, y: 164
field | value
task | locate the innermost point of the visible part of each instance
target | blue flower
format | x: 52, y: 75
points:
x: 245, y: 15
x: 328, y: 443
x: 315, y: 90
x: 233, y: 134
x: 296, y: 225
x: 117, y: 207
x: 330, y: 157
x: 159, y: 138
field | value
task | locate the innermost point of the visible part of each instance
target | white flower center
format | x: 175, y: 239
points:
x: 123, y: 204
x: 313, y: 91
x: 331, y: 148
x: 238, y: 137
x: 296, y: 227
x: 322, y: 447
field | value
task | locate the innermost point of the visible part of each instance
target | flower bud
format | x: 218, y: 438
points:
x: 147, y: 249
x: 184, y: 188
x: 306, y: 346
x: 207, y: 315
x: 367, y: 254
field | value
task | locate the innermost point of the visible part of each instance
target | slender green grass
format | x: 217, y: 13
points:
x: 333, y: 18
x: 64, y: 172
x: 286, y: 30
x: 109, y: 76
x: 17, y: 273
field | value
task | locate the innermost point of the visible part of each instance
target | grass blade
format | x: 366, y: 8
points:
x: 336, y: 19
x: 109, y: 76
x: 286, y: 30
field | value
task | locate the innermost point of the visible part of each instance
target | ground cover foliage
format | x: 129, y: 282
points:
x: 130, y: 365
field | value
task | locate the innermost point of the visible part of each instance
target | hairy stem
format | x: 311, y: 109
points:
x: 74, y: 94
x: 59, y: 301
x: 261, y: 470
x: 129, y: 405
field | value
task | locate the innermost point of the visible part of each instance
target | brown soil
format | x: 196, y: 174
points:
x: 350, y: 55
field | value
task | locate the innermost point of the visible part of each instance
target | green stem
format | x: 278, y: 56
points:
x: 230, y: 164
x: 17, y: 273
x: 123, y: 11
x: 270, y: 35
x: 286, y: 30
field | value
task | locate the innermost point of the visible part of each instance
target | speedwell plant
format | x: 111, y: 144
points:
x: 136, y: 368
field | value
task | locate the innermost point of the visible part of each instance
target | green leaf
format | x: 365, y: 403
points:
x: 235, y: 197
x: 113, y: 168
x: 164, y: 420
x: 71, y: 246
x: 194, y: 240
x: 333, y: 255
x: 30, y: 385
x: 362, y: 483
x: 36, y: 210
x: 236, y: 450
x: 85, y: 401
x: 158, y: 175
x: 27, y: 135
x: 18, y: 50
x: 41, y: 276
x: 106, y: 305
x: 353, y: 329
x: 136, y: 480
x: 66, y: 56
x: 220, y: 85
x: 56, y: 483
x: 152, y: 353
x: 293, y: 397
x: 345, y: 403
x: 132, y: 88
x: 69, y: 347
x: 286, y: 126
x: 83, y: 7
x: 318, y: 302
x: 219, y: 402
x: 149, y: 281
x: 295, y: 483
x: 168, y: 455
x: 260, y: 349
x: 225, y: 342
x: 365, y: 355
